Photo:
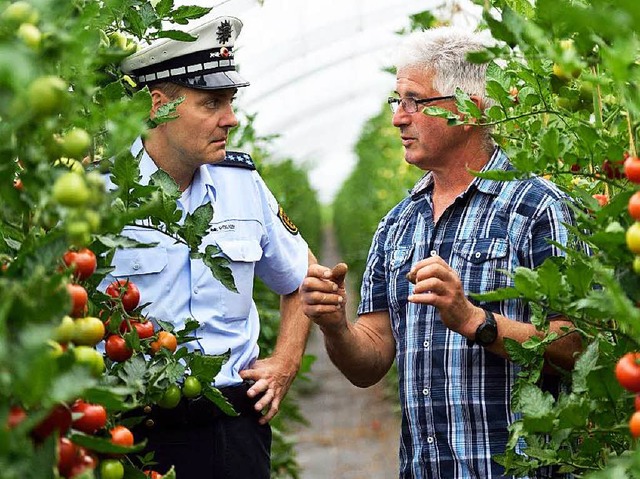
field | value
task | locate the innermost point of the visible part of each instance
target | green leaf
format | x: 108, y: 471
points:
x: 206, y: 367
x: 452, y: 118
x: 176, y: 35
x: 215, y: 396
x: 526, y: 281
x: 219, y: 267
x: 166, y: 112
x: 537, y: 408
x: 466, y: 105
x: 166, y: 183
x: 585, y: 364
x: 103, y: 445
x: 125, y: 173
x: 183, y: 14
x: 196, y: 225
x: 163, y: 7
x: 499, y: 294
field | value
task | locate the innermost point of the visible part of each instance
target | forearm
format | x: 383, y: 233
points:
x: 360, y: 351
x: 294, y: 330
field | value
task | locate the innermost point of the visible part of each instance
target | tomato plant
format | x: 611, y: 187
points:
x: 83, y: 261
x: 632, y: 169
x: 144, y: 329
x: 126, y: 291
x: 93, y: 417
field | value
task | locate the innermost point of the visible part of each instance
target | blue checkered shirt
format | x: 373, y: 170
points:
x: 455, y: 398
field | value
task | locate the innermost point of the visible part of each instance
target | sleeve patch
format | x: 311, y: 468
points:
x: 288, y: 224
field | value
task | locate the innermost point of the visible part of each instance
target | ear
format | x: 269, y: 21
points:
x: 158, y: 98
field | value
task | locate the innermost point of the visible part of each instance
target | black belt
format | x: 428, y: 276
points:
x: 196, y: 411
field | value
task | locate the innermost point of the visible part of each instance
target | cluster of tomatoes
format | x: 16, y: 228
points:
x: 84, y: 417
x: 632, y: 171
x: 83, y: 333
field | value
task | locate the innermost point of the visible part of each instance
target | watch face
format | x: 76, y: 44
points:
x: 487, y: 334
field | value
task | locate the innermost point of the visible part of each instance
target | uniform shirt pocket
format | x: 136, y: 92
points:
x: 243, y: 255
x: 480, y: 263
x: 139, y: 261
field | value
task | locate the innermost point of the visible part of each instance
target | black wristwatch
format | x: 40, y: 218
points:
x: 487, y: 332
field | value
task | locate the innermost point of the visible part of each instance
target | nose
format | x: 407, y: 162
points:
x: 401, y: 117
x: 228, y: 118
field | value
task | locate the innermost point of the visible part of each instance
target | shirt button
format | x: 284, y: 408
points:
x: 149, y: 423
x: 425, y: 391
x: 433, y: 252
x: 430, y: 440
x: 136, y: 266
x: 478, y: 254
x: 195, y: 290
x: 426, y: 344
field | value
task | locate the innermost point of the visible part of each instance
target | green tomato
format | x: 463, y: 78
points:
x: 91, y: 358
x: 70, y: 189
x: 30, y: 35
x: 633, y: 238
x: 191, y: 387
x: 64, y: 331
x: 636, y: 265
x: 170, y: 398
x: 46, y: 94
x: 88, y: 331
x: 20, y: 12
x: 111, y: 469
x: 75, y: 143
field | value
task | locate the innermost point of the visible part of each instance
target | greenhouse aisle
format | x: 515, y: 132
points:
x: 353, y: 433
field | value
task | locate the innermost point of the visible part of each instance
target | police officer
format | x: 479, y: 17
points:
x: 250, y: 229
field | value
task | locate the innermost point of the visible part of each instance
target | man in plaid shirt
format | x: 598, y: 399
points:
x: 455, y: 234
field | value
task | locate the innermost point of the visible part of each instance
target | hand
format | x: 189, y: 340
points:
x: 273, y: 377
x: 324, y: 296
x: 440, y: 286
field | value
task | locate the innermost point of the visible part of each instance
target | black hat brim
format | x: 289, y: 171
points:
x: 212, y: 81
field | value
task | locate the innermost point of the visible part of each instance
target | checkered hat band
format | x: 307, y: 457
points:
x: 198, y: 63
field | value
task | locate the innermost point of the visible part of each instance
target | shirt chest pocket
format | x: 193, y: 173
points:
x: 142, y: 266
x: 243, y: 255
x: 400, y: 261
x: 481, y: 263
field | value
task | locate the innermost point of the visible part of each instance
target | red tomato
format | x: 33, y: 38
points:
x: 126, y: 291
x: 67, y: 456
x: 79, y: 300
x: 612, y: 169
x: 628, y: 372
x: 165, y: 340
x: 634, y: 424
x: 121, y: 436
x: 632, y: 169
x: 117, y: 349
x: 83, y: 261
x: 602, y: 200
x: 84, y: 461
x: 637, y: 402
x: 94, y: 417
x: 16, y: 416
x: 634, y: 206
x: 58, y: 419
x: 144, y: 329
x: 153, y: 474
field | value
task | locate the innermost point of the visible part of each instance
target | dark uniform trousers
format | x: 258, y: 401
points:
x: 202, y: 442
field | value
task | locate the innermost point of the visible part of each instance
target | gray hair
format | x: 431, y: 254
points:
x: 443, y: 51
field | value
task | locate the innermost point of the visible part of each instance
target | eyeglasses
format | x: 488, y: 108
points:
x: 410, y: 105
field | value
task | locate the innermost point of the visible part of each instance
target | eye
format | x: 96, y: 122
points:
x: 213, y: 104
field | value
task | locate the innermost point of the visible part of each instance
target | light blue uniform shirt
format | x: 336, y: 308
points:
x: 247, y: 227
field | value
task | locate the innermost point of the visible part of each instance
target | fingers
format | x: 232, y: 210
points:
x: 337, y: 274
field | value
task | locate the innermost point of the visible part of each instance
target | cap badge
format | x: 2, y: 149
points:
x: 224, y: 52
x: 224, y: 31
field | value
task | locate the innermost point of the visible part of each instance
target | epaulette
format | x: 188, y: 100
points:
x: 237, y: 159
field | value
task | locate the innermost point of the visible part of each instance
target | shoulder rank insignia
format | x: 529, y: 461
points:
x: 288, y: 224
x: 237, y: 159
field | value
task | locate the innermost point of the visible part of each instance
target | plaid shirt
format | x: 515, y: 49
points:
x: 455, y: 398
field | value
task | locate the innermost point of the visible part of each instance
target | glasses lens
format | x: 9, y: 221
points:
x: 409, y: 105
x: 394, y: 103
